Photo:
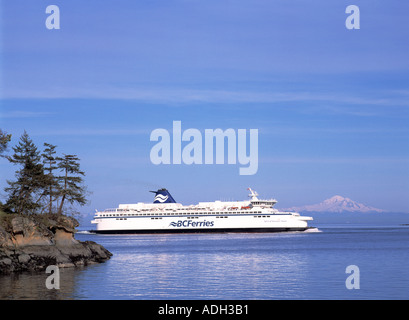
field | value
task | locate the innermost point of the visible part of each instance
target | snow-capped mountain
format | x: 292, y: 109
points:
x: 335, y: 204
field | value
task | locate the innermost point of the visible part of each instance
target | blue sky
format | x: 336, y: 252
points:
x: 331, y: 104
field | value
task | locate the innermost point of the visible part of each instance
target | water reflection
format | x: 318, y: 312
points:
x: 201, y: 267
x: 220, y: 266
x: 233, y: 266
x: 227, y: 266
x: 32, y: 286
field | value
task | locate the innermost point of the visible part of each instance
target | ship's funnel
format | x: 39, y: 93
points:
x: 163, y: 196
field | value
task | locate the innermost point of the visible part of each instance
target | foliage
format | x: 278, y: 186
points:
x: 53, y: 187
x: 4, y: 140
x: 37, y: 188
x: 71, y: 189
x: 26, y: 192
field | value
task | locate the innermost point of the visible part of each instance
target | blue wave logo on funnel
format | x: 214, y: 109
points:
x: 163, y: 196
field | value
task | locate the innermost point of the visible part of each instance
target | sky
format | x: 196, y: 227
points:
x: 330, y: 104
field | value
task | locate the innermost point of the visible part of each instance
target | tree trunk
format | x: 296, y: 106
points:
x: 64, y: 191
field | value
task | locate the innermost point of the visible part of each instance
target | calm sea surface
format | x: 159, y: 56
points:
x: 235, y: 266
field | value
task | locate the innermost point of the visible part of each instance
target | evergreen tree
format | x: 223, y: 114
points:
x: 52, y: 188
x: 4, y: 140
x: 26, y: 192
x: 71, y: 188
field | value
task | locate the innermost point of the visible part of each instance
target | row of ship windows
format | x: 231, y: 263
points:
x: 221, y: 217
x: 170, y: 209
x: 172, y: 214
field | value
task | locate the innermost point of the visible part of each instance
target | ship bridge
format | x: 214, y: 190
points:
x: 255, y: 202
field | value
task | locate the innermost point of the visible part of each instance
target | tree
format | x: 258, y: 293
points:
x: 71, y: 188
x: 4, y: 140
x: 37, y: 188
x: 52, y: 189
x: 26, y: 192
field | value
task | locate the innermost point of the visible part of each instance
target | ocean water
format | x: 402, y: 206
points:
x: 299, y: 265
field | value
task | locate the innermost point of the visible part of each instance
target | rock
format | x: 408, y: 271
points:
x: 68, y: 224
x: 63, y: 238
x: 35, y: 242
x: 99, y: 252
x: 5, y: 261
x: 26, y: 231
x: 5, y: 238
x: 24, y: 258
x: 20, y: 225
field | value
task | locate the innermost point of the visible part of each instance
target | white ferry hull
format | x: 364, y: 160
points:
x: 164, y: 215
x: 225, y: 223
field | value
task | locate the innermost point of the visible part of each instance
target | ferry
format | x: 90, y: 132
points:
x: 165, y: 215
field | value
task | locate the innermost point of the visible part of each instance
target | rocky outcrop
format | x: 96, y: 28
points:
x: 35, y: 242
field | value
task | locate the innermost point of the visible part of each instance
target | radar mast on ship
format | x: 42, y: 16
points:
x: 255, y: 202
x: 253, y: 194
